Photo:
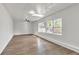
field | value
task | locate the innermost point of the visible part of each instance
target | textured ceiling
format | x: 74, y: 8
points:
x: 19, y: 11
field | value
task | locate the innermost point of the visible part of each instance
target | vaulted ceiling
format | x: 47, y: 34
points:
x: 20, y: 11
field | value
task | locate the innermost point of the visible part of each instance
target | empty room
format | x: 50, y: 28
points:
x: 39, y: 29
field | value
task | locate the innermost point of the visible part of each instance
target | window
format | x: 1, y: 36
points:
x: 58, y: 26
x: 41, y: 27
x: 51, y: 26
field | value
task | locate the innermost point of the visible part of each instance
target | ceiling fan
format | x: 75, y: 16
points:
x: 32, y: 12
x: 27, y: 20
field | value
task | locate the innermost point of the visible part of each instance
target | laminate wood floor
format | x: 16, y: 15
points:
x: 32, y: 45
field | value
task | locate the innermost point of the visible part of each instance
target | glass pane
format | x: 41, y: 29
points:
x: 50, y: 23
x: 58, y: 22
x: 41, y: 27
x: 58, y: 30
x: 49, y: 30
x: 50, y: 26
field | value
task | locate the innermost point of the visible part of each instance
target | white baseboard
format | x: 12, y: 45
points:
x: 1, y: 50
x: 66, y: 45
x: 21, y: 33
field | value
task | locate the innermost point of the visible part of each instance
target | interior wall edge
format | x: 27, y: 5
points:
x: 6, y: 43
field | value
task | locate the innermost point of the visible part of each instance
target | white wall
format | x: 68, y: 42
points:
x: 6, y: 28
x: 21, y: 27
x: 70, y: 37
